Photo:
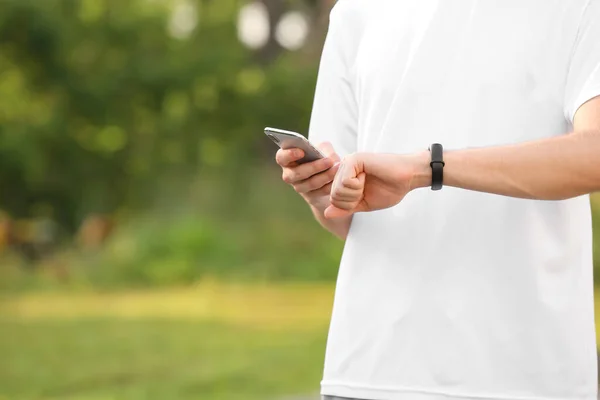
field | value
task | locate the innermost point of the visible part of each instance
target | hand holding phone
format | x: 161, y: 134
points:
x: 309, y: 169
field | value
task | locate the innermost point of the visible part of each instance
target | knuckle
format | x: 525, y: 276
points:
x: 316, y: 167
x: 293, y: 176
x: 315, y: 184
x: 280, y: 157
x: 286, y: 177
x: 286, y: 157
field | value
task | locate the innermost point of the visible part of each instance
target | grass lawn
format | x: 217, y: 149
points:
x: 205, y: 343
x: 210, y: 342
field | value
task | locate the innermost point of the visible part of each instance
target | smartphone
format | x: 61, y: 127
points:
x: 292, y: 140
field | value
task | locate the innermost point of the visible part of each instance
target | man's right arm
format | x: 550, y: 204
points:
x: 334, y: 120
x: 339, y: 227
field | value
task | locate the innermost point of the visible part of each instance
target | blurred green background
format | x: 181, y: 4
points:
x: 148, y: 249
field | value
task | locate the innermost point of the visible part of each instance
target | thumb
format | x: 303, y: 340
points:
x: 356, y: 183
x: 362, y: 177
x: 347, y: 175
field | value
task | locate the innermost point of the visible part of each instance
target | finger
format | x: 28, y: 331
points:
x: 345, y: 205
x: 302, y: 172
x: 327, y: 149
x: 357, y: 183
x: 340, y: 209
x: 347, y: 171
x: 318, y: 181
x: 346, y: 194
x: 286, y: 158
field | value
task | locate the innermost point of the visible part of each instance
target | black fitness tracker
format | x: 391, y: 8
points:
x: 437, y: 166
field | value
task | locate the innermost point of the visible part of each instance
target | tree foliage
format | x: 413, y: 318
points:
x: 98, y: 101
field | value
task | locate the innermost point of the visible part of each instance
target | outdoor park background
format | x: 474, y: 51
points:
x: 148, y: 249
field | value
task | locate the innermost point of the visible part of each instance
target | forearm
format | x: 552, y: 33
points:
x: 339, y: 227
x: 548, y: 169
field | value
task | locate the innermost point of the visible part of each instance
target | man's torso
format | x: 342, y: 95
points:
x: 457, y: 293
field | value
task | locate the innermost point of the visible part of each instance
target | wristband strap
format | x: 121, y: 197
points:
x: 437, y: 166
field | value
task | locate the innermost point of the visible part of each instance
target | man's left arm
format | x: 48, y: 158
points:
x: 548, y: 169
x: 555, y: 168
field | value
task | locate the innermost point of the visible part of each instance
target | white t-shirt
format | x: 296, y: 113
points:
x: 457, y: 294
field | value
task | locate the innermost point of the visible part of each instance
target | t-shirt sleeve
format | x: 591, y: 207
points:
x: 583, y: 79
x: 335, y: 115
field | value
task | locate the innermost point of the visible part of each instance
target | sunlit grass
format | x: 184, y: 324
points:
x: 103, y: 358
x: 213, y: 341
x: 283, y: 307
x: 263, y: 306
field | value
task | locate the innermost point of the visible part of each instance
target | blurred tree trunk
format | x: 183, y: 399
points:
x: 319, y: 9
x: 318, y: 31
x: 271, y: 51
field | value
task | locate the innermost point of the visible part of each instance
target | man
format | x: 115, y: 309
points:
x: 484, y: 289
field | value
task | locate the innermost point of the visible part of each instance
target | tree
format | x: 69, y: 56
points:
x: 99, y: 103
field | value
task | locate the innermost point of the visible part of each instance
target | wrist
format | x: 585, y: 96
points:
x: 421, y: 174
